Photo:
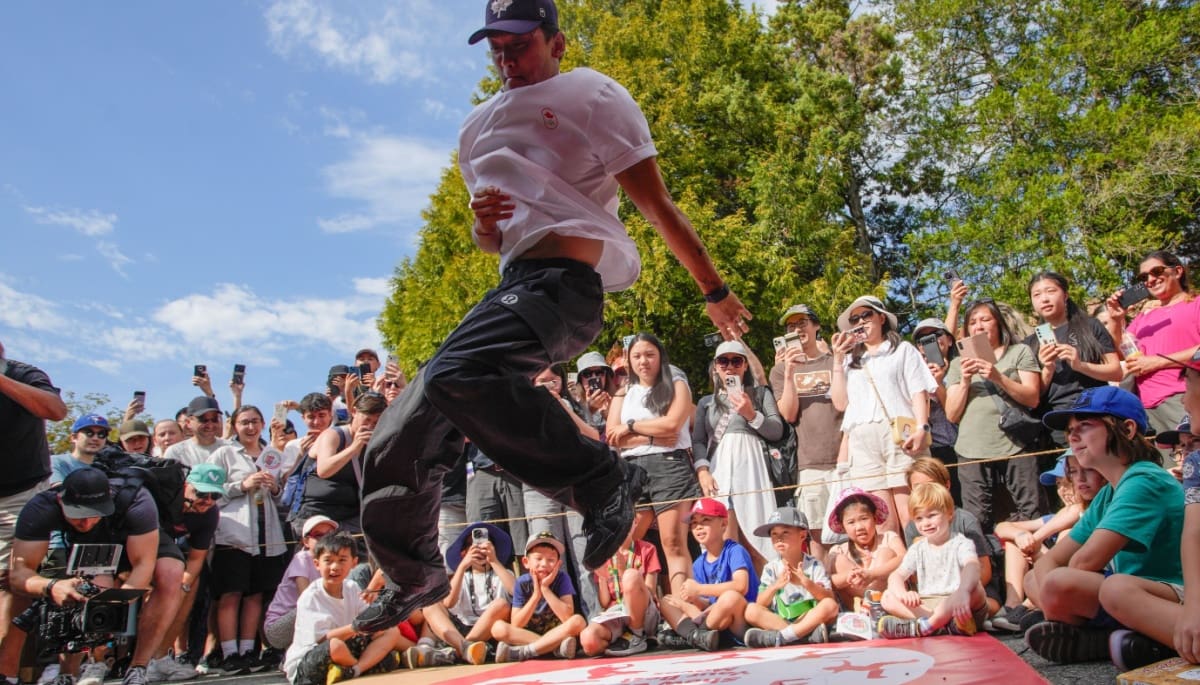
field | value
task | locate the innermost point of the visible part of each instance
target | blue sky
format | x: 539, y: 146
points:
x: 217, y: 183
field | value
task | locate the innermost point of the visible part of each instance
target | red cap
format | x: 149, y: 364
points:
x: 709, y: 507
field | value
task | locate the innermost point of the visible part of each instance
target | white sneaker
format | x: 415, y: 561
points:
x: 167, y: 669
x: 93, y: 673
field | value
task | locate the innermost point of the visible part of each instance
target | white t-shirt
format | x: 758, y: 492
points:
x: 938, y: 567
x: 554, y: 147
x: 634, y: 407
x: 318, y: 613
x: 483, y: 588
x: 897, y: 376
x: 189, y: 452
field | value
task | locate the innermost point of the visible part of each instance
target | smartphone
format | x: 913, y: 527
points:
x: 951, y: 275
x: 933, y: 353
x: 859, y: 333
x: 363, y: 369
x: 779, y: 343
x: 199, y: 370
x: 977, y: 347
x: 713, y: 339
x: 393, y: 360
x: 479, y: 536
x: 239, y: 373
x: 733, y: 384
x: 281, y: 411
x: 1045, y: 334
x: 1133, y: 294
x: 593, y: 383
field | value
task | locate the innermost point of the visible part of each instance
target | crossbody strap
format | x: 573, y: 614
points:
x: 866, y: 367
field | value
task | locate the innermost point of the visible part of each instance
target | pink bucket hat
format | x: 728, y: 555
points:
x: 835, y: 513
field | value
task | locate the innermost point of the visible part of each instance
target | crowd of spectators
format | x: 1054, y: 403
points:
x: 934, y: 497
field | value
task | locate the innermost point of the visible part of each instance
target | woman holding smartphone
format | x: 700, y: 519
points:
x: 1079, y: 353
x: 1171, y: 329
x: 647, y: 423
x: 977, y: 391
x: 880, y: 381
x: 248, y: 559
x: 729, y: 431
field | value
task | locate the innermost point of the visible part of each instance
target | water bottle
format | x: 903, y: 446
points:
x: 1129, y: 346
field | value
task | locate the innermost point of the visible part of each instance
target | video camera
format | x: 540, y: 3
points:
x: 106, y: 615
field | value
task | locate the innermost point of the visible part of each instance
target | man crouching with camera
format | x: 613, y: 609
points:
x: 83, y: 511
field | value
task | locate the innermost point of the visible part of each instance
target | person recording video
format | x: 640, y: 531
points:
x: 83, y: 510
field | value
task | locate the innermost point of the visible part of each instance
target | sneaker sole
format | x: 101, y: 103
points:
x: 1066, y: 644
x: 475, y: 653
x: 401, y: 611
x: 635, y: 478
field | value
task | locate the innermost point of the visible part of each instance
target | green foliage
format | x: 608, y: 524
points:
x: 835, y: 150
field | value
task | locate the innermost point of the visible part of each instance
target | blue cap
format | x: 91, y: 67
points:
x: 1049, y: 478
x: 515, y: 16
x: 88, y: 421
x: 1103, y: 400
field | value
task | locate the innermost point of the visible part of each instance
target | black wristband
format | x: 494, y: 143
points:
x: 49, y: 586
x: 715, y: 296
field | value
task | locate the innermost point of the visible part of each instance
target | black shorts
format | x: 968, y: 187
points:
x: 168, y: 548
x: 314, y: 665
x: 236, y: 571
x: 671, y: 477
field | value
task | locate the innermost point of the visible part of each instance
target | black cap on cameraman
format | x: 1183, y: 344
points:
x: 85, y: 494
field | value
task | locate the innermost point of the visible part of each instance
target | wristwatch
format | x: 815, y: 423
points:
x: 926, y: 427
x: 631, y: 428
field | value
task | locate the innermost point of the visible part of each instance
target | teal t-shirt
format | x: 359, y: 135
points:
x: 1146, y: 507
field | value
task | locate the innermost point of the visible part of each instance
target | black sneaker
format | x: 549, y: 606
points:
x: 271, y: 658
x: 393, y: 605
x: 669, y: 639
x: 1129, y: 650
x: 238, y: 664
x: 1067, y: 644
x: 705, y: 640
x: 607, y: 526
x: 759, y: 638
x: 1030, y: 618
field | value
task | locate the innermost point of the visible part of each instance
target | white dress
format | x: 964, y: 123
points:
x: 738, y: 466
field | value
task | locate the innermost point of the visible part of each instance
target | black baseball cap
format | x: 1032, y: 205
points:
x: 202, y: 405
x: 515, y: 16
x: 85, y: 493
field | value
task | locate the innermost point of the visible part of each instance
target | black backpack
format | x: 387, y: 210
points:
x: 163, y: 478
x: 781, y: 457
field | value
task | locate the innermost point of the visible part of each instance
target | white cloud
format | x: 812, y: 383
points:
x: 116, y: 259
x: 90, y: 222
x: 25, y: 311
x: 384, y: 42
x: 234, y: 317
x: 373, y: 286
x: 392, y: 176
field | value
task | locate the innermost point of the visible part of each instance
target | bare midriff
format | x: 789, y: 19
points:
x: 555, y: 246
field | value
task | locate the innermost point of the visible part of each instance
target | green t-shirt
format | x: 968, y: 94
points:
x: 1146, y: 507
x: 979, y: 434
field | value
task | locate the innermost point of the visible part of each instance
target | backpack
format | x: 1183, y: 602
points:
x: 293, y: 488
x: 781, y: 457
x: 163, y: 478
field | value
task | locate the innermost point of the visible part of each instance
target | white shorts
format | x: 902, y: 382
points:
x: 813, y: 499
x: 616, y: 619
x: 877, y: 463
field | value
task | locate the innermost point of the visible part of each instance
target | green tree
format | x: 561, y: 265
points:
x: 58, y: 433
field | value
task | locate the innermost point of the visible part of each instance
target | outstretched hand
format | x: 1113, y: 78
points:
x: 730, y: 316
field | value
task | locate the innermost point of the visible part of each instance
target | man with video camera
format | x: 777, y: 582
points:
x: 83, y: 510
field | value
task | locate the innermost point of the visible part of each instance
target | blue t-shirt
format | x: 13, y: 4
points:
x: 561, y: 586
x: 733, y: 557
x: 1146, y: 507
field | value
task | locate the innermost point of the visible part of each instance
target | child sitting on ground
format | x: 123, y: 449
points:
x: 1026, y: 541
x: 949, y: 594
x: 794, y: 597
x: 869, y: 555
x: 714, y: 600
x: 326, y: 649
x: 480, y: 591
x: 543, y: 612
x: 280, y: 620
x: 626, y: 590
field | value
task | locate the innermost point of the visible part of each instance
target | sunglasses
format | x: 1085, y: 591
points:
x: 95, y: 433
x: 1155, y: 272
x: 865, y: 316
x: 592, y: 373
x: 735, y: 362
x: 211, y: 496
x: 214, y: 419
